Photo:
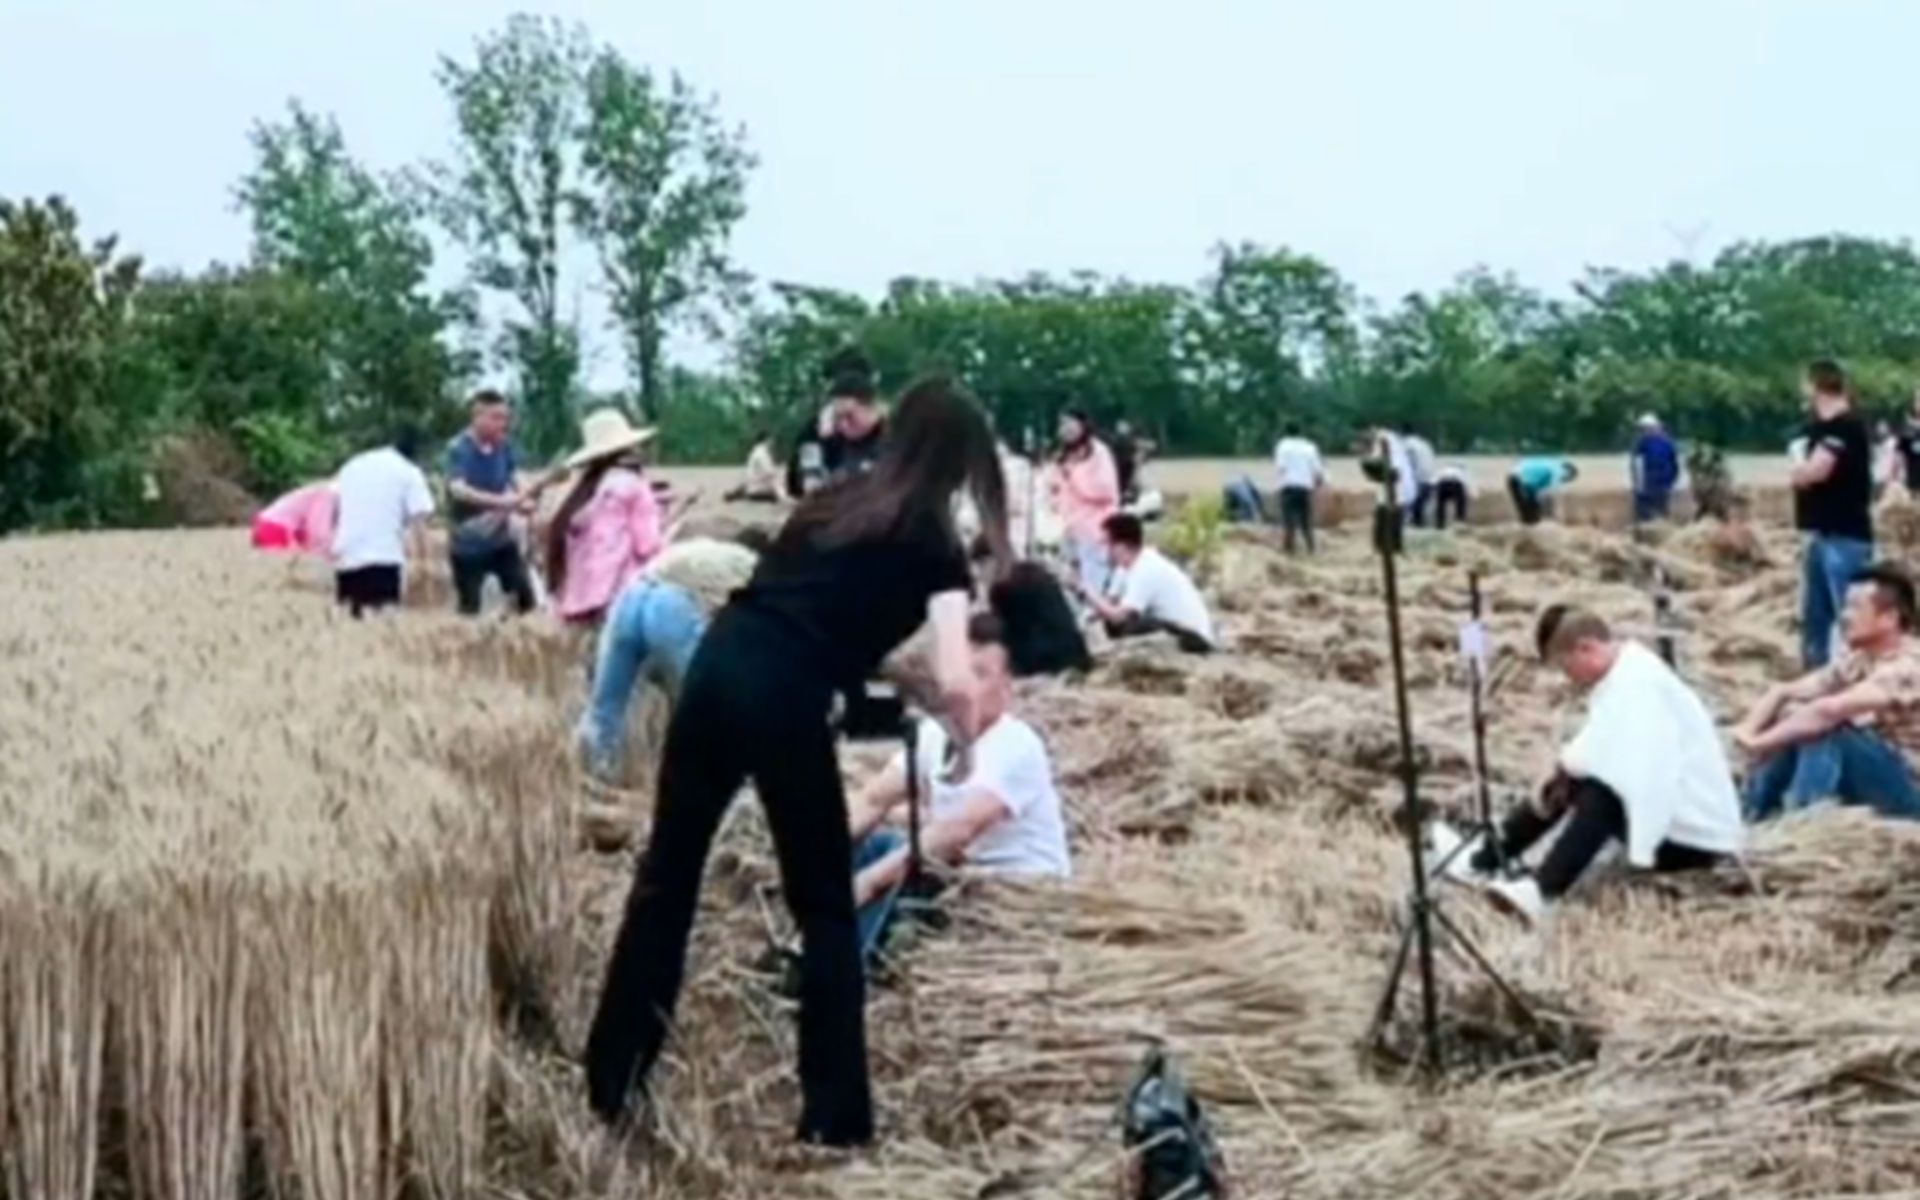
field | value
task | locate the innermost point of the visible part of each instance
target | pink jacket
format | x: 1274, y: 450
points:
x: 1087, y: 492
x: 307, y: 513
x: 612, y: 536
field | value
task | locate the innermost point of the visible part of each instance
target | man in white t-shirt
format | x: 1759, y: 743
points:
x: 1153, y: 594
x: 1002, y: 814
x: 382, y: 496
x: 1301, y: 475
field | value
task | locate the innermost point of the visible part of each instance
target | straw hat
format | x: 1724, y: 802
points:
x: 606, y: 432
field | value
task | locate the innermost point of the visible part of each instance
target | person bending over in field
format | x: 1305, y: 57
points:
x: 1154, y: 594
x: 996, y: 811
x: 1646, y: 769
x: 651, y: 631
x: 1534, y: 481
x: 1849, y: 731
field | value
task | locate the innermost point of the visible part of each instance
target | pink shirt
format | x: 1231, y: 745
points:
x: 1087, y: 492
x: 308, y: 514
x: 611, y: 538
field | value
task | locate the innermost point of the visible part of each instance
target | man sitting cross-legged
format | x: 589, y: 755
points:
x: 1646, y: 768
x: 1851, y: 730
x: 1000, y: 814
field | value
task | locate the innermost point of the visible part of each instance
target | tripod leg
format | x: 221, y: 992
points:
x: 1466, y: 945
x: 1390, y: 994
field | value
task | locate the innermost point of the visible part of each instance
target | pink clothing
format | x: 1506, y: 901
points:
x: 1087, y: 492
x: 307, y: 516
x: 612, y: 536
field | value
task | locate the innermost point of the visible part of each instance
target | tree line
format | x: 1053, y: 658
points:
x: 333, y: 330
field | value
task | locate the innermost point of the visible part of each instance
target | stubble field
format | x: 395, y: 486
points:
x: 294, y: 904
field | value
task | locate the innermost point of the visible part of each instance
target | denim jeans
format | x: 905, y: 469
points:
x: 653, y: 627
x: 875, y: 917
x: 1827, y: 571
x: 1652, y: 506
x: 1090, y: 564
x: 1854, y: 765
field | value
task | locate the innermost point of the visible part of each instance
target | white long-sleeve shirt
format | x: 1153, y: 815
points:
x: 1649, y: 738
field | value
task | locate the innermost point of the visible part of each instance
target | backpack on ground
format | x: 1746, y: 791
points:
x: 1176, y: 1157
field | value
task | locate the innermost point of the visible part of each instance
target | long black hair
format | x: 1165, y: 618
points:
x: 938, y: 442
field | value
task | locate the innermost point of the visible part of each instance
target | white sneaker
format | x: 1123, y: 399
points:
x: 1452, y: 854
x: 1521, y: 897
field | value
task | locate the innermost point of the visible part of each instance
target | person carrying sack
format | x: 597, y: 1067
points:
x: 856, y: 570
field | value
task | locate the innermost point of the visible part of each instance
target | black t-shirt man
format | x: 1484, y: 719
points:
x: 1841, y: 505
x: 845, y: 455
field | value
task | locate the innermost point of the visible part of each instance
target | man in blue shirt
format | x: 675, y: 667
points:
x: 483, y: 498
x: 1530, y: 483
x: 1655, y: 467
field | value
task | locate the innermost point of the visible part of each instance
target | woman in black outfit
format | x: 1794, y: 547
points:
x: 857, y: 569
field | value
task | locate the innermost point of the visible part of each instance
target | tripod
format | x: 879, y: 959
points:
x: 1424, y: 916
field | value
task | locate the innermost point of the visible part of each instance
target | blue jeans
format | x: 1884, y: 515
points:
x: 1826, y: 572
x: 1853, y: 765
x: 1652, y: 506
x: 653, y: 627
x: 876, y: 916
x: 1090, y: 563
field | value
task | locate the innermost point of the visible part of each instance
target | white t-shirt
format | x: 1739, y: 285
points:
x: 1406, y: 484
x: 380, y: 493
x: 1299, y: 462
x: 1421, y: 458
x: 1010, y: 761
x: 1155, y: 587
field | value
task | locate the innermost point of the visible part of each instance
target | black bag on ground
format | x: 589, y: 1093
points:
x: 1042, y: 636
x: 1162, y: 1124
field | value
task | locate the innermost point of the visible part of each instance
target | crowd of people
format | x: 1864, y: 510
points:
x: 910, y: 516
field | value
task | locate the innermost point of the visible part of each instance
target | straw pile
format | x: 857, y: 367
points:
x: 1239, y: 878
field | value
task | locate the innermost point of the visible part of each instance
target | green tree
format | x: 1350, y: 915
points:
x: 67, y: 451
x: 518, y: 107
x: 322, y: 219
x: 664, y: 184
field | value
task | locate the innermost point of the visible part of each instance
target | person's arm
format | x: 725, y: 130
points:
x: 1637, y: 468
x: 959, y: 688
x: 1817, y: 469
x: 881, y: 795
x: 1820, y: 717
x: 942, y: 841
x: 1774, y: 701
x: 646, y: 524
x: 1319, y: 469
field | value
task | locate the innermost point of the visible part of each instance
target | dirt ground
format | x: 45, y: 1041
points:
x: 1238, y: 884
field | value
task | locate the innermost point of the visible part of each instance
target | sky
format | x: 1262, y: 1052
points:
x: 1402, y: 141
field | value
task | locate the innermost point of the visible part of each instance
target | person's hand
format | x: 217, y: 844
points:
x: 1744, y: 737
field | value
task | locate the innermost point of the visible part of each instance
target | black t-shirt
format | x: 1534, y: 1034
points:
x: 844, y: 456
x: 1842, y: 506
x: 853, y: 604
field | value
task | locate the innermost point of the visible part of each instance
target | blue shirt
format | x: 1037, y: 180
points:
x: 476, y: 530
x: 1659, y: 462
x: 1539, y: 475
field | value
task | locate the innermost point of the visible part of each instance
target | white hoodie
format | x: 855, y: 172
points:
x: 1650, y: 739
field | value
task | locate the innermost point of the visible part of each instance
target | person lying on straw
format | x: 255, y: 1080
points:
x: 1851, y: 730
x: 1647, y: 769
x: 997, y: 810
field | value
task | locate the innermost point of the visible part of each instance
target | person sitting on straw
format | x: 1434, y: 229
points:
x: 999, y: 812
x: 762, y: 482
x: 1850, y: 730
x: 1154, y: 594
x: 1647, y: 769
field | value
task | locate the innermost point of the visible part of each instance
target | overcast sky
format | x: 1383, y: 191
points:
x: 1401, y: 140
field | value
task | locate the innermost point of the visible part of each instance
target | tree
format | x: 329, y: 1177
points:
x: 66, y: 452
x: 665, y: 182
x: 322, y: 219
x: 518, y: 109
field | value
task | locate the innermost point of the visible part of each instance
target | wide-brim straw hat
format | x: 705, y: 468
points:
x: 607, y: 432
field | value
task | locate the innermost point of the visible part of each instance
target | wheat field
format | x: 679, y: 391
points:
x: 293, y: 905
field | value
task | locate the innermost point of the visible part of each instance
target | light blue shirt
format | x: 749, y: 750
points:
x: 1539, y: 475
